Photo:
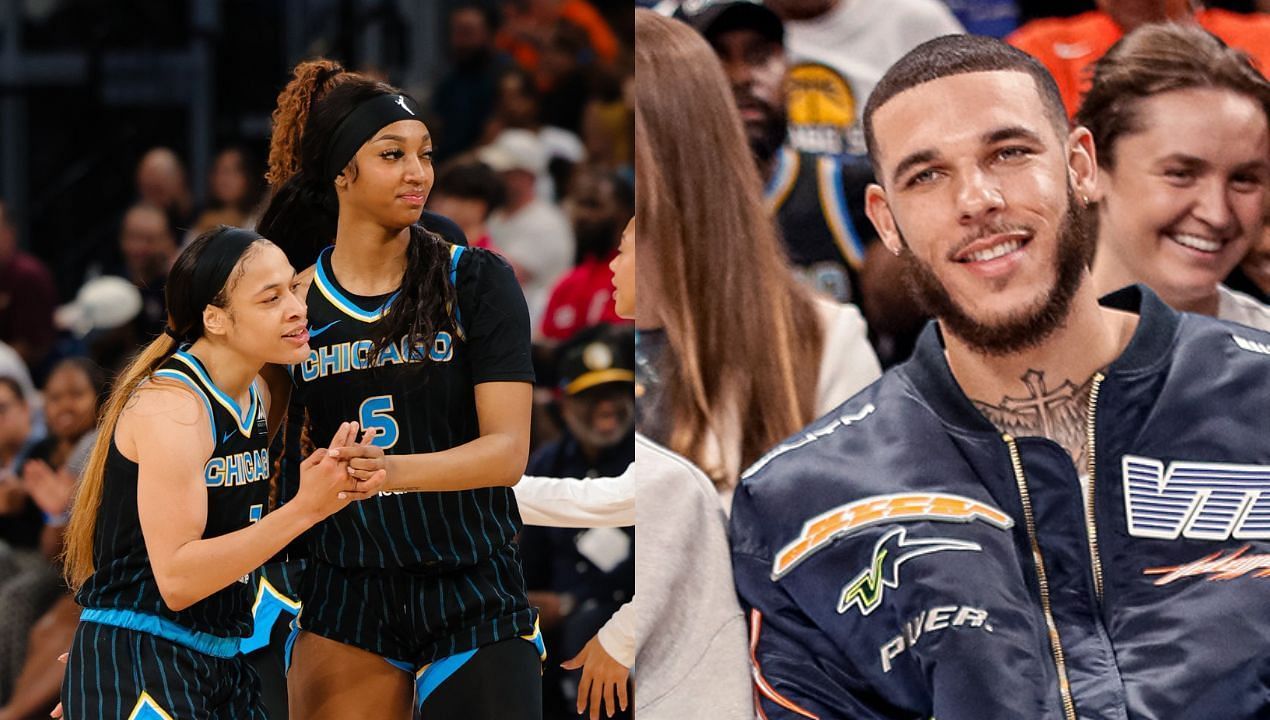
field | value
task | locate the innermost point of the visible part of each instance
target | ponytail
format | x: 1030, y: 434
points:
x: 77, y: 556
x: 308, y: 83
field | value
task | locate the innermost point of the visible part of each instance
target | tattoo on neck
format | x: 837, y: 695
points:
x: 1055, y: 413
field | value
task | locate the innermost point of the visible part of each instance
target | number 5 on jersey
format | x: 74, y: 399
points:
x: 376, y: 412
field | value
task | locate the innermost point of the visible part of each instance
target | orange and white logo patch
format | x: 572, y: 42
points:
x: 823, y: 529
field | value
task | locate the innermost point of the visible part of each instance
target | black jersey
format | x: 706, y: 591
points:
x: 237, y: 480
x: 819, y: 205
x: 421, y: 399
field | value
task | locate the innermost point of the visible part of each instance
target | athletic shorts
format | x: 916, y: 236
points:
x: 413, y: 619
x: 502, y: 681
x: 119, y: 673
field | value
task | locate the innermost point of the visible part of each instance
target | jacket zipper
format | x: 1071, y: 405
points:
x: 1056, y: 645
x: 1091, y: 526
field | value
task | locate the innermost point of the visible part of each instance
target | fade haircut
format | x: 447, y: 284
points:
x: 957, y: 55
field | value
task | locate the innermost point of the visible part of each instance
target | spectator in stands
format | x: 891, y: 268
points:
x: 1252, y: 276
x: 519, y: 107
x: 608, y: 122
x: 1069, y: 46
x: 839, y: 50
x: 161, y: 182
x: 148, y: 245
x: 529, y: 24
x: 580, y: 578
x: 729, y: 340
x: 27, y: 299
x: 468, y: 192
x: 567, y: 79
x: 72, y: 397
x: 531, y: 231
x: 1182, y: 127
x: 236, y: 188
x: 466, y: 96
x: 601, y: 204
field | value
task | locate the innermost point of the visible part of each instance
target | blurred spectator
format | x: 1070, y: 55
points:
x: 994, y: 18
x: 528, y: 26
x: 1252, y: 276
x: 468, y: 192
x: 580, y: 578
x: 532, y: 232
x: 32, y: 526
x: 734, y: 353
x: 839, y: 50
x: 1182, y: 127
x: 148, y: 244
x: 1069, y: 46
x: 161, y: 182
x: 601, y: 204
x: 236, y: 187
x: 27, y: 299
x: 567, y: 84
x: 608, y: 122
x: 519, y: 108
x: 465, y: 97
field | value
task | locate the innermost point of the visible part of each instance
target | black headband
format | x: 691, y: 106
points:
x: 361, y: 124
x: 217, y: 261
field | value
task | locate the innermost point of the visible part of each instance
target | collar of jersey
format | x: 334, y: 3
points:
x: 246, y: 419
x: 326, y: 284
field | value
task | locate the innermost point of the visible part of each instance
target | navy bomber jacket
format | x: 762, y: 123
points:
x: 901, y: 558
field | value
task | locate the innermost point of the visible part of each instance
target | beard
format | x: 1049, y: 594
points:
x: 768, y: 135
x: 1024, y: 328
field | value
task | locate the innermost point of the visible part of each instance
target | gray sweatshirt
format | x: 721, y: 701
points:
x: 691, y: 660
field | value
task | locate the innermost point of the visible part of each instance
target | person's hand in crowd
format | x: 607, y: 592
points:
x: 50, y: 489
x: 552, y: 607
x: 602, y: 677
x: 12, y: 496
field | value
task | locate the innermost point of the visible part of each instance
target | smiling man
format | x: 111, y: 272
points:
x: 1022, y: 521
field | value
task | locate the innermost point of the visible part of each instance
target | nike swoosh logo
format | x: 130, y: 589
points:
x: 227, y: 436
x: 318, y: 331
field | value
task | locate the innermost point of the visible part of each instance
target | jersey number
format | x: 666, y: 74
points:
x: 376, y: 412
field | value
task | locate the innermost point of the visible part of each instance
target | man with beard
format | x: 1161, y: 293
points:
x: 583, y: 297
x: 1024, y: 519
x: 818, y: 199
x: 579, y: 578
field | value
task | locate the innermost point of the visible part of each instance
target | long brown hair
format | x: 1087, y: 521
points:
x: 744, y: 334
x: 187, y: 295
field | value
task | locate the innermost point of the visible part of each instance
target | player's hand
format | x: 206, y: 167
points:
x: 57, y: 711
x: 602, y: 676
x: 325, y: 484
x: 366, y: 464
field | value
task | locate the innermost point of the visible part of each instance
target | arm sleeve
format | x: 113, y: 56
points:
x: 494, y: 318
x: 618, y: 635
x: 797, y: 670
x: 578, y: 503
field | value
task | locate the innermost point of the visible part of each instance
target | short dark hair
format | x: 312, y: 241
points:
x: 1157, y: 59
x: 957, y: 55
x: 471, y: 180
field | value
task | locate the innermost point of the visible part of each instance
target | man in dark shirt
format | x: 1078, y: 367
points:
x: 27, y: 298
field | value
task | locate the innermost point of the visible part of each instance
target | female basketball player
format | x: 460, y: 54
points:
x: 417, y: 592
x: 170, y: 517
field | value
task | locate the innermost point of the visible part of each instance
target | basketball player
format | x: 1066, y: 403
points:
x: 419, y: 593
x: 170, y: 514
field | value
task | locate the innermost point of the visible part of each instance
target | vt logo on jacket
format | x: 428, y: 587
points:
x: 1200, y: 501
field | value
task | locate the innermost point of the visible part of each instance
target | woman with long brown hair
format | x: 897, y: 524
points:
x: 170, y: 513
x: 736, y: 354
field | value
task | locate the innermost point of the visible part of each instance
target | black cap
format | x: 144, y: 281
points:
x: 595, y: 356
x: 711, y: 17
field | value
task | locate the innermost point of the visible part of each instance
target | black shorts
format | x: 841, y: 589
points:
x: 502, y: 681
x: 415, y: 619
x: 115, y: 673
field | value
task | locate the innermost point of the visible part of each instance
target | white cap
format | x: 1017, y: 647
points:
x: 515, y: 149
x: 101, y: 304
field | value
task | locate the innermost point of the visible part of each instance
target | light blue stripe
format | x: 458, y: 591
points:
x: 180, y: 376
x: 341, y: 301
x: 205, y: 643
x: 245, y: 419
x: 454, y: 280
x: 438, y: 672
x: 840, y: 198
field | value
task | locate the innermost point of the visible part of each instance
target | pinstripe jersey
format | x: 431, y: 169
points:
x: 421, y: 400
x: 237, y: 480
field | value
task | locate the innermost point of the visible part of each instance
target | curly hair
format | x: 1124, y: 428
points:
x: 309, y: 81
